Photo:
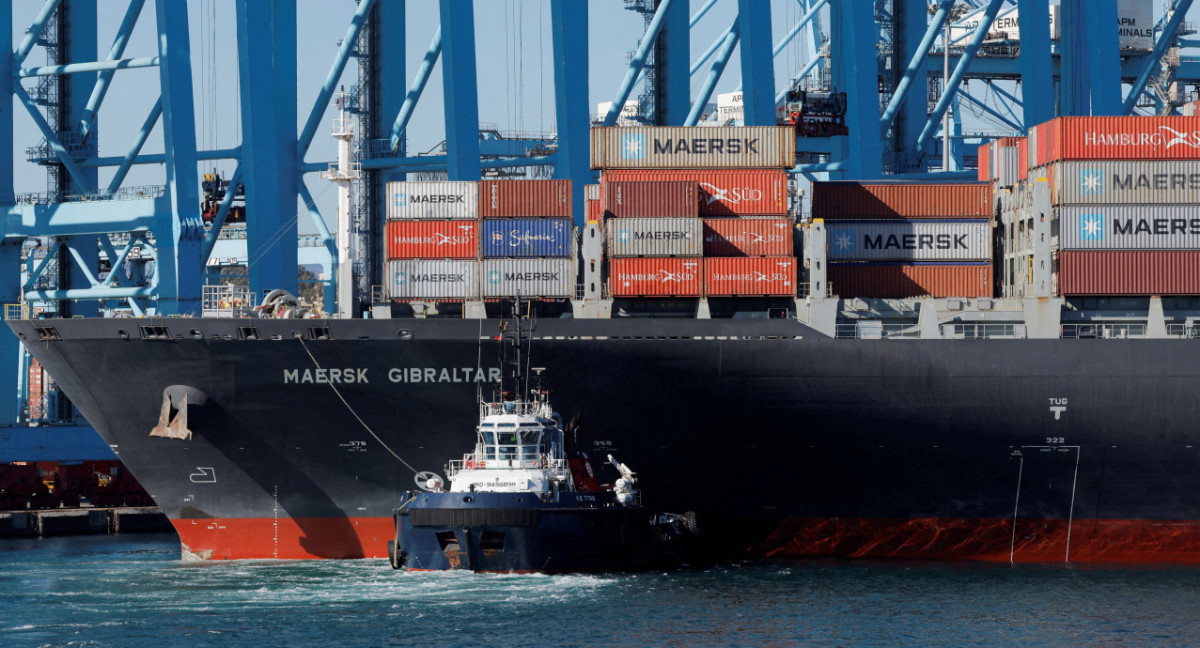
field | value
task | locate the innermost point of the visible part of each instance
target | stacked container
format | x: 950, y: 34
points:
x: 1125, y: 203
x: 693, y: 212
x: 907, y: 240
x: 432, y: 240
x: 526, y: 239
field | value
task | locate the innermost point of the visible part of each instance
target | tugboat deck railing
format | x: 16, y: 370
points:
x: 472, y: 462
x: 519, y: 408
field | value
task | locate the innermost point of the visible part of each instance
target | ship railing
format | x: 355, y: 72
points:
x: 472, y: 461
x: 805, y: 290
x: 377, y: 294
x: 520, y: 408
x: 15, y: 311
x: 1186, y: 331
x: 979, y: 331
x: 1103, y: 331
x: 226, y: 301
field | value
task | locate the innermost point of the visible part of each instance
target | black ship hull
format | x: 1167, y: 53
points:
x: 1023, y: 450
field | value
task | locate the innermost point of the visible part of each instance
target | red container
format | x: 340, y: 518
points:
x: 1118, y: 138
x: 747, y: 237
x: 985, y: 166
x: 525, y: 198
x: 858, y: 200
x: 898, y: 280
x: 663, y: 199
x: 723, y: 192
x: 752, y: 276
x: 655, y: 277
x: 594, y: 211
x: 1123, y: 272
x: 1023, y: 159
x: 430, y: 239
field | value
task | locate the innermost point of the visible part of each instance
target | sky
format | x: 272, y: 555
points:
x: 513, y: 51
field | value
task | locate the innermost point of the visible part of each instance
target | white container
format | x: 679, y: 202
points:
x: 533, y: 278
x: 432, y: 279
x: 1129, y: 227
x: 655, y: 237
x: 910, y: 240
x: 696, y: 147
x: 1144, y: 182
x: 432, y: 200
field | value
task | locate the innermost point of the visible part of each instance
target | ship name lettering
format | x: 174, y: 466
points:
x: 915, y: 242
x: 1160, y: 181
x: 443, y: 375
x: 347, y: 376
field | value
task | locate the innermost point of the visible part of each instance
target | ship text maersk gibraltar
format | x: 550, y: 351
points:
x: 412, y: 375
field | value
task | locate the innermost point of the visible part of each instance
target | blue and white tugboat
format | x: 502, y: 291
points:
x: 525, y: 501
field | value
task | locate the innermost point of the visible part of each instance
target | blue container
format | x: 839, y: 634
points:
x: 525, y: 237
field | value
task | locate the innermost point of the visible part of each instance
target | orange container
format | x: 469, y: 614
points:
x: 747, y: 237
x: 723, y: 192
x: 750, y: 276
x: 1126, y: 272
x: 594, y: 210
x: 898, y: 280
x: 525, y: 198
x: 430, y: 239
x: 655, y: 277
x: 858, y: 200
x: 1117, y: 138
x: 985, y: 163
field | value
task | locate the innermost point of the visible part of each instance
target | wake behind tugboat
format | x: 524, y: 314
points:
x: 526, y: 500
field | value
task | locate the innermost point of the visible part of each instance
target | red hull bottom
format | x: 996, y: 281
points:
x: 982, y: 539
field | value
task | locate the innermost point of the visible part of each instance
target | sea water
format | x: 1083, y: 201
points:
x: 133, y: 591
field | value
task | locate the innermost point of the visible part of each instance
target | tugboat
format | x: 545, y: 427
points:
x: 525, y: 501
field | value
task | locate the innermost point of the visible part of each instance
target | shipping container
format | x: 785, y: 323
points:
x: 432, y: 239
x: 655, y: 277
x: 591, y: 192
x: 1149, y: 182
x: 432, y: 200
x: 1007, y: 161
x: 1129, y: 273
x: 528, y: 278
x: 657, y: 237
x: 1129, y: 227
x: 985, y: 166
x: 858, y: 200
x: 594, y: 210
x: 525, y: 198
x: 724, y: 192
x: 681, y: 147
x: 432, y: 279
x: 659, y: 199
x: 747, y: 237
x: 525, y: 237
x: 909, y: 240
x: 899, y: 280
x: 1023, y: 159
x: 1117, y: 138
x: 750, y: 276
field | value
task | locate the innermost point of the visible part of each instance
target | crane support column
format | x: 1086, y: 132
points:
x: 461, y: 88
x: 673, y: 60
x: 1037, y: 80
x: 758, y: 64
x: 569, y: 19
x: 855, y: 72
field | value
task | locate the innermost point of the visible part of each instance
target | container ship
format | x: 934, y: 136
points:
x: 998, y: 371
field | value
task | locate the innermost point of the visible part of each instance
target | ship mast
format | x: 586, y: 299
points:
x: 344, y: 173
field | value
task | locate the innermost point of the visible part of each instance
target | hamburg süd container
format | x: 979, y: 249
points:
x: 909, y: 240
x: 1141, y: 182
x: 1129, y: 227
x: 1129, y: 272
x: 656, y: 277
x: 432, y: 279
x: 681, y: 147
x: 657, y: 237
x: 432, y: 239
x: 525, y: 237
x: 748, y: 237
x: 528, y: 278
x: 646, y: 199
x: 858, y: 200
x: 432, y: 200
x: 750, y: 276
x: 723, y: 192
x: 525, y: 198
x: 899, y: 280
x: 1115, y: 138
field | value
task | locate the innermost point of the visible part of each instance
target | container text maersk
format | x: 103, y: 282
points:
x: 915, y: 242
x: 705, y: 146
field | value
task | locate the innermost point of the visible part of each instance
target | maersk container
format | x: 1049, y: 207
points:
x: 1129, y: 227
x: 1117, y: 138
x: 747, y: 237
x: 525, y: 198
x: 723, y: 192
x: 858, y: 200
x: 1008, y: 155
x: 1143, y: 182
x: 651, y: 199
x: 432, y: 279
x: 531, y: 278
x: 525, y: 237
x: 655, y: 277
x: 909, y: 240
x: 682, y: 147
x: 750, y: 276
x: 432, y: 239
x: 658, y: 237
x: 1129, y: 273
x: 432, y: 200
x: 900, y: 280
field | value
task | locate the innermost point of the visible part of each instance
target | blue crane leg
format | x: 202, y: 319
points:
x: 569, y: 20
x: 461, y: 89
